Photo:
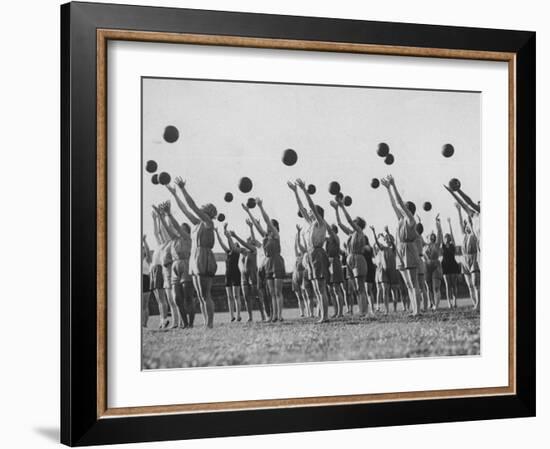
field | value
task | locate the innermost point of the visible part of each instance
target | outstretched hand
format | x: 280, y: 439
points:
x: 372, y: 228
x: 437, y: 219
x: 385, y: 183
x: 390, y: 179
x: 171, y: 189
x: 245, y: 207
x: 334, y: 204
x: 180, y: 182
x: 291, y: 186
x: 259, y: 202
x: 298, y: 228
x: 300, y: 183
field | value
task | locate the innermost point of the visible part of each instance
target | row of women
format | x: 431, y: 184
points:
x: 404, y: 268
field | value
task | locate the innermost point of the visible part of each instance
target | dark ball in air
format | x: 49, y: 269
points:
x: 383, y: 149
x: 171, y: 134
x: 447, y: 150
x: 347, y: 200
x: 389, y: 159
x: 339, y: 196
x: 245, y: 184
x: 427, y: 206
x: 419, y: 228
x: 311, y: 189
x: 290, y: 157
x: 228, y: 197
x: 251, y: 203
x: 151, y: 166
x: 155, y: 179
x: 454, y: 184
x: 164, y: 178
x: 334, y: 188
x: 221, y: 217
x: 375, y: 183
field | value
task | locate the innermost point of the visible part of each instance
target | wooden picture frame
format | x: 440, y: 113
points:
x: 86, y: 29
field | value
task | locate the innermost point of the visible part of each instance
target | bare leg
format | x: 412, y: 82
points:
x: 448, y: 288
x: 237, y: 297
x: 230, y: 300
x: 177, y: 292
x: 476, y: 286
x: 436, y: 285
x: 410, y: 279
x: 174, y: 311
x: 145, y: 308
x: 274, y: 304
x: 188, y: 301
x: 370, y: 298
x: 322, y: 299
x: 278, y: 284
x: 163, y: 307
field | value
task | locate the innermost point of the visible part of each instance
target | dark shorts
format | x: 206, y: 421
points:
x: 261, y: 278
x: 371, y: 274
x: 156, y: 278
x: 382, y: 276
x: 145, y: 283
x: 297, y: 280
x: 357, y: 266
x: 318, y: 264
x: 233, y: 278
x: 275, y: 267
x: 249, y: 278
x: 335, y: 270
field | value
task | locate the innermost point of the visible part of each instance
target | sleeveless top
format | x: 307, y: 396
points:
x: 356, y: 243
x: 333, y: 246
x: 165, y: 253
x: 449, y: 252
x: 368, y: 254
x: 469, y: 245
x: 406, y: 232
x: 432, y: 251
x: 249, y: 260
x: 272, y: 246
x: 316, y: 235
x: 203, y: 236
x: 181, y: 248
x: 232, y: 262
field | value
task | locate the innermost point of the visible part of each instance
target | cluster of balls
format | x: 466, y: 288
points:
x: 157, y: 178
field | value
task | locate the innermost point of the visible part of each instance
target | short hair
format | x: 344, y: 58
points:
x: 419, y: 228
x: 186, y: 227
x: 210, y: 209
x: 320, y: 211
x: 360, y: 222
x: 334, y: 228
x: 275, y: 223
x: 411, y: 206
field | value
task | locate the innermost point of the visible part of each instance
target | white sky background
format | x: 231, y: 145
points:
x: 229, y: 130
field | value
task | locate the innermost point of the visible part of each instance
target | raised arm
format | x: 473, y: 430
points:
x: 301, y: 207
x: 468, y: 201
x: 244, y: 243
x: 156, y: 230
x: 302, y: 244
x: 397, y: 211
x: 439, y: 237
x: 341, y: 225
x: 348, y: 216
x: 146, y: 249
x: 228, y: 237
x: 255, y: 241
x: 377, y: 243
x: 297, y: 251
x: 255, y: 222
x: 179, y: 228
x: 203, y: 216
x: 460, y: 220
x: 310, y: 202
x: 162, y: 211
x: 266, y: 218
x: 451, y: 230
x: 400, y: 204
x: 192, y: 218
x: 460, y: 201
x: 220, y: 241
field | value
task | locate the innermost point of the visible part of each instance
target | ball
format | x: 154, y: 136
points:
x: 289, y: 157
x: 311, y: 189
x: 419, y: 228
x: 228, y: 197
x: 164, y: 178
x: 221, y: 217
x: 389, y: 159
x: 347, y: 200
x: 454, y: 184
x: 155, y: 179
x: 375, y: 183
x: 251, y: 203
x: 151, y: 166
x: 245, y: 184
x: 427, y: 206
x: 171, y: 134
x: 383, y: 149
x: 334, y: 188
x: 339, y: 196
x: 447, y: 150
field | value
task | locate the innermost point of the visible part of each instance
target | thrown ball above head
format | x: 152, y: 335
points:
x: 164, y: 178
x: 334, y: 188
x: 427, y: 206
x: 389, y: 159
x: 245, y: 184
x: 383, y: 149
x: 228, y: 197
x: 151, y: 166
x: 221, y: 217
x: 311, y: 189
x: 454, y: 184
x: 375, y: 183
x: 155, y: 179
x: 171, y: 134
x: 290, y: 157
x: 251, y: 203
x: 447, y: 150
x: 347, y: 201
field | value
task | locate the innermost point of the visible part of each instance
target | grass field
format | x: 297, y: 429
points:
x: 397, y: 335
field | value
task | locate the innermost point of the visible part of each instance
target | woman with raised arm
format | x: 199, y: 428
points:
x: 356, y: 263
x: 336, y: 280
x: 232, y: 273
x: 382, y: 256
x: 470, y: 264
x: 298, y: 275
x: 395, y: 279
x: 145, y: 282
x: 450, y: 267
x: 261, y: 285
x: 317, y: 257
x: 274, y: 262
x: 166, y: 259
x: 156, y: 279
x: 423, y: 290
x: 434, y: 272
x: 407, y: 249
x: 182, y: 283
x: 249, y: 272
x: 202, y: 264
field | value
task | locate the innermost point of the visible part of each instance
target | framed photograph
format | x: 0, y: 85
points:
x: 273, y: 224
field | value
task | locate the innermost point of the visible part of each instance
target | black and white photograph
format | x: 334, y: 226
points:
x: 297, y: 223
